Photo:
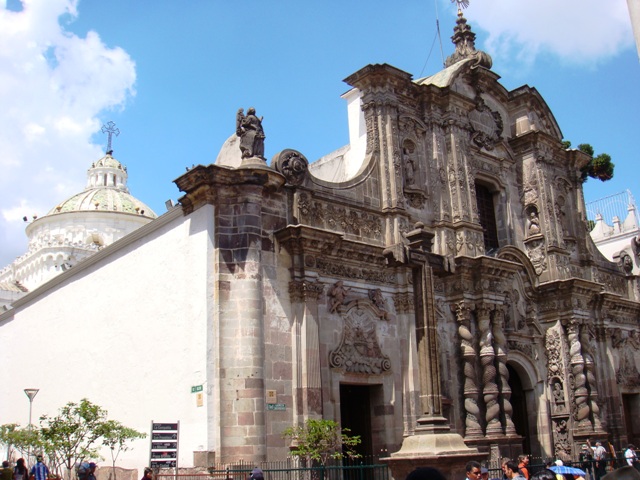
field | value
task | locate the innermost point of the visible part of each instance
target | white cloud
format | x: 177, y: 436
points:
x: 576, y: 31
x: 53, y: 86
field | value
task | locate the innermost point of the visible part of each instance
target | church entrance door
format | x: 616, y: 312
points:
x: 631, y: 405
x: 520, y: 411
x: 355, y: 414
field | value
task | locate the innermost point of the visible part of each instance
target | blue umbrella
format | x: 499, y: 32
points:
x: 562, y: 469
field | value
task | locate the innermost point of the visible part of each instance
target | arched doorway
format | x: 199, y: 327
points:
x: 520, y: 414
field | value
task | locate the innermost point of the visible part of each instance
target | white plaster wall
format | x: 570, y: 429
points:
x: 128, y: 333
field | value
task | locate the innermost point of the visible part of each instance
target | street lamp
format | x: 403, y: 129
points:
x: 31, y: 393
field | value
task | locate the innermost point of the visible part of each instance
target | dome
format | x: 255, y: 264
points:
x: 106, y: 191
x: 106, y: 200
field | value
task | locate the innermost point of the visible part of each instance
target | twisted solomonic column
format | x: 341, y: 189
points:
x: 580, y: 392
x: 487, y: 360
x: 500, y: 344
x: 471, y: 392
x: 590, y: 371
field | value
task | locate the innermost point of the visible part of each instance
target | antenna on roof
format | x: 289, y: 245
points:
x: 436, y: 37
x: 110, y: 129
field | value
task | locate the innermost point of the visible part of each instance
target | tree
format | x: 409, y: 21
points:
x: 72, y: 435
x: 320, y: 440
x: 600, y: 166
x: 23, y: 440
x: 116, y: 436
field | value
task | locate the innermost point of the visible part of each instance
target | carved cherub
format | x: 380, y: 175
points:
x: 338, y: 293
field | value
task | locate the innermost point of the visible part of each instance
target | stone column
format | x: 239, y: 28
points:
x: 590, y: 371
x: 580, y: 391
x: 471, y: 391
x: 433, y: 440
x: 501, y: 355
x: 487, y: 360
x: 237, y: 431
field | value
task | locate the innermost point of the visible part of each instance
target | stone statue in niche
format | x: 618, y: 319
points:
x: 558, y: 397
x: 533, y: 223
x: 408, y: 155
x: 249, y: 129
x: 338, y: 294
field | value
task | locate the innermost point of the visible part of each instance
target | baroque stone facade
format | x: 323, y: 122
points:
x: 444, y: 301
x: 461, y: 243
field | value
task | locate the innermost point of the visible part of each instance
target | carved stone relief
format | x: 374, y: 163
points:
x: 292, y: 164
x: 359, y: 350
x: 486, y: 124
x: 339, y: 218
x: 536, y: 252
x: 627, y: 373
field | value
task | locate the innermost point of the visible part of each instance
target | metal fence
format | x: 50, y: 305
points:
x: 617, y: 205
x: 289, y: 470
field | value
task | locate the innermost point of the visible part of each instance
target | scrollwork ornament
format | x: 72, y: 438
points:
x: 292, y: 164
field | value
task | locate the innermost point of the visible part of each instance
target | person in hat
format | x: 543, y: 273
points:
x: 484, y: 473
x: 600, y: 456
x: 39, y: 471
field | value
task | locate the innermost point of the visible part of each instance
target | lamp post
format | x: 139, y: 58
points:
x: 31, y: 393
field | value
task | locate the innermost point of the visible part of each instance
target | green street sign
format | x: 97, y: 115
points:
x: 276, y: 406
x: 196, y: 389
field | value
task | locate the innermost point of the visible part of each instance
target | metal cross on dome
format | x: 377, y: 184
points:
x: 110, y: 129
x: 461, y: 4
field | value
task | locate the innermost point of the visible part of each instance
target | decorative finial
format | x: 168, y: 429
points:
x: 110, y: 129
x: 464, y: 40
x: 462, y: 4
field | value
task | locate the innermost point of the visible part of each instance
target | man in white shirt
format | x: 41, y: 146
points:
x: 630, y: 455
x: 599, y: 456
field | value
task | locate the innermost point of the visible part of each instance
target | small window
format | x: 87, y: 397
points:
x: 487, y: 214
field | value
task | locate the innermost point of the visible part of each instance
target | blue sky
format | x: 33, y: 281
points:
x: 172, y: 73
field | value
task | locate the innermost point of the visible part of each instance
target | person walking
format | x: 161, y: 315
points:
x: 39, y: 471
x: 513, y: 472
x: 20, y: 472
x: 473, y: 470
x: 7, y: 471
x: 523, y: 463
x: 630, y: 456
x: 599, y: 456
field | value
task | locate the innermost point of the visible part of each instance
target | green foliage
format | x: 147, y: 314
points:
x: 23, y: 440
x: 600, y: 166
x: 320, y: 440
x: 116, y: 436
x: 72, y: 435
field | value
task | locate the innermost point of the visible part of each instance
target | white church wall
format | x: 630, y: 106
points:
x: 133, y: 315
